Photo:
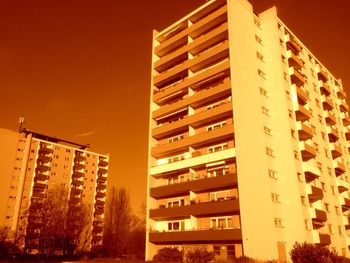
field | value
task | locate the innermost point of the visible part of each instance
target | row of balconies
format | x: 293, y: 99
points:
x: 217, y: 35
x: 202, y: 184
x: 199, y: 28
x: 197, y: 140
x: 196, y: 209
x: 223, y: 89
x: 200, y: 118
x: 197, y: 236
x: 182, y: 85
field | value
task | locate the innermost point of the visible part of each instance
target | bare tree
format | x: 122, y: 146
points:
x: 117, y: 222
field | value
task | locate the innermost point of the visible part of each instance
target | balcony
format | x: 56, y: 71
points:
x: 103, y: 163
x: 41, y: 177
x: 330, y: 118
x: 316, y: 193
x: 100, y: 194
x: 342, y: 185
x: 311, y: 172
x: 196, y: 236
x: 292, y: 44
x: 307, y: 151
x: 346, y: 118
x: 296, y: 77
x: 344, y: 107
x: 302, y: 114
x: 44, y: 158
x: 336, y: 150
x: 321, y: 73
x: 205, y: 184
x: 101, y: 186
x: 327, y: 103
x: 181, y: 86
x: 77, y: 182
x: 219, y: 112
x: 75, y: 191
x: 347, y: 133
x: 39, y: 186
x: 318, y: 215
x: 45, y: 150
x: 79, y: 158
x: 79, y: 166
x: 293, y: 60
x: 77, y: 174
x: 197, y: 209
x: 305, y: 131
x: 324, y: 239
x: 345, y: 203
x: 324, y: 88
x: 222, y: 89
x: 341, y: 94
x: 42, y: 168
x: 204, y: 138
x: 303, y: 97
x: 102, y: 170
x: 333, y: 134
x: 339, y: 167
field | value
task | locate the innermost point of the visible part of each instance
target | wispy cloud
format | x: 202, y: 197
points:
x: 85, y: 134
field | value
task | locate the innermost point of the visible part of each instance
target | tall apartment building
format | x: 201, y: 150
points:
x: 32, y: 165
x: 248, y: 139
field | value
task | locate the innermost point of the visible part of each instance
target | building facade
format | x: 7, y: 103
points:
x: 248, y: 138
x: 39, y: 164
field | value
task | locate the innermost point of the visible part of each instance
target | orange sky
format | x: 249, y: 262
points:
x: 80, y: 70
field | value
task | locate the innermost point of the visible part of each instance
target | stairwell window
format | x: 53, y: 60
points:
x: 278, y: 222
x: 269, y: 152
x: 262, y: 73
x: 272, y: 174
x: 263, y: 91
x: 267, y: 130
x: 275, y: 197
x: 260, y: 56
x: 258, y: 39
x: 265, y: 111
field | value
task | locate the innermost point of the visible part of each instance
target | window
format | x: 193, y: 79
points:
x: 262, y: 73
x: 336, y: 208
x: 267, y: 130
x: 316, y: 147
x: 275, y: 197
x: 257, y: 22
x: 269, y: 152
x: 320, y: 120
x: 323, y: 186
x: 176, y: 226
x: 340, y: 230
x: 260, y: 56
x: 176, y: 138
x: 330, y: 229
x: 221, y: 222
x: 333, y: 190
x: 263, y: 92
x: 293, y: 134
x: 323, y: 135
x: 329, y: 171
x: 265, y: 111
x: 278, y: 222
x: 217, y: 148
x: 303, y: 200
x: 326, y: 207
x: 283, y: 59
x: 326, y: 152
x: 285, y: 75
x: 307, y: 224
x: 296, y: 155
x: 272, y: 174
x: 290, y: 114
x: 216, y: 126
x: 300, y: 177
x: 258, y: 39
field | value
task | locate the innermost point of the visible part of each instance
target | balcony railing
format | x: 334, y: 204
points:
x: 197, y: 209
x: 195, y: 236
x: 201, y: 184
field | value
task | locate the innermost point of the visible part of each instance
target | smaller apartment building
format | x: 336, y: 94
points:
x: 40, y: 163
x: 249, y: 138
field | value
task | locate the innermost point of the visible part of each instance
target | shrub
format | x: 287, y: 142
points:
x: 199, y: 255
x: 168, y: 255
x: 244, y: 259
x: 310, y: 253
